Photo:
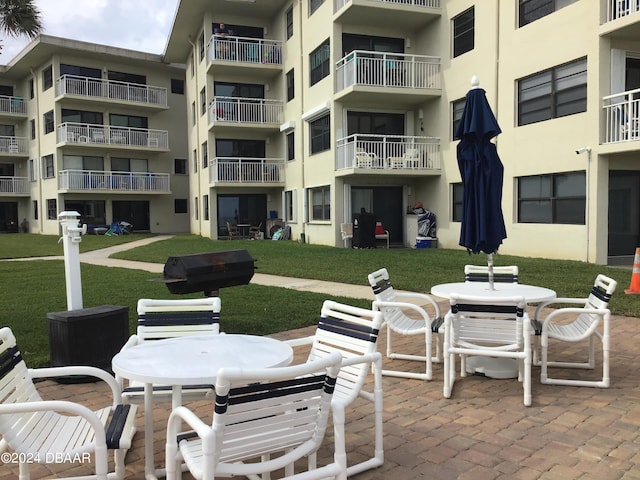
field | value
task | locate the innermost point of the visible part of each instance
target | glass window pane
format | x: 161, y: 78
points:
x: 570, y: 211
x: 533, y: 211
x: 534, y: 187
x: 569, y: 185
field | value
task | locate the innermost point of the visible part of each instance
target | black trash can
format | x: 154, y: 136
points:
x: 364, y: 230
x: 87, y: 336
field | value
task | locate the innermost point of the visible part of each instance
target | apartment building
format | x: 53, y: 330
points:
x: 92, y: 129
x: 306, y: 112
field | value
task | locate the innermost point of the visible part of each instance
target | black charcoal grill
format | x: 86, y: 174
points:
x: 207, y: 272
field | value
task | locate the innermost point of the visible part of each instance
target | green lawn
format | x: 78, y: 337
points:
x: 34, y: 288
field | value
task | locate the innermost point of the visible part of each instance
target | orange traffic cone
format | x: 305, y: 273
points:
x: 635, y: 275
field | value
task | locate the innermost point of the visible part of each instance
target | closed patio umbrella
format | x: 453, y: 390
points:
x: 482, y: 171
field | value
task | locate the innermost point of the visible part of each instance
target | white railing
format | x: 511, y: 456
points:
x: 14, y: 185
x: 118, y: 181
x: 13, y: 144
x: 378, y: 69
x: 245, y: 110
x: 91, y: 134
x: 98, y: 87
x: 621, y: 8
x: 387, y: 152
x: 12, y: 104
x: 622, y: 116
x: 247, y: 170
x: 415, y: 3
x: 246, y: 50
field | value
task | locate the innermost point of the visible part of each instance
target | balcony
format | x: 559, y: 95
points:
x: 87, y: 134
x: 98, y: 89
x: 114, y: 182
x: 255, y: 56
x: 247, y: 171
x: 364, y: 76
x: 411, y: 14
x: 622, y: 118
x: 623, y: 20
x: 14, y: 146
x: 13, y: 107
x: 246, y: 113
x: 12, y: 186
x: 387, y: 155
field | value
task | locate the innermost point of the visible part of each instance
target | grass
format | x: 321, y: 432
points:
x: 32, y: 289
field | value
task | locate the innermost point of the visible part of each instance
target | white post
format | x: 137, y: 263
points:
x: 70, y: 239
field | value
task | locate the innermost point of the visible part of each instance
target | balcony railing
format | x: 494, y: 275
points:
x: 246, y: 110
x: 377, y: 69
x: 112, y: 90
x: 13, y: 145
x: 388, y: 152
x: 621, y: 8
x: 86, y: 133
x: 247, y: 170
x: 113, y: 181
x: 245, y: 50
x: 622, y: 116
x: 415, y: 3
x: 14, y: 185
x: 12, y: 105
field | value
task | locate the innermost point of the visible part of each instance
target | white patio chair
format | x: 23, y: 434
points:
x: 365, y: 159
x: 382, y: 233
x: 353, y: 332
x: 576, y: 325
x: 257, y: 427
x: 346, y: 232
x: 394, y: 307
x: 160, y: 319
x: 496, y: 327
x: 501, y: 274
x: 39, y: 431
x: 411, y: 158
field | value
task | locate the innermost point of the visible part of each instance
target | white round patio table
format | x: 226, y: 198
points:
x: 491, y: 366
x: 192, y: 360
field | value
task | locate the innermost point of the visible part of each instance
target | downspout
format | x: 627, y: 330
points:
x: 37, y: 159
x: 305, y: 206
x: 197, y: 127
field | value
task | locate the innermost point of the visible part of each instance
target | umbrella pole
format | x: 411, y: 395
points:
x: 490, y: 271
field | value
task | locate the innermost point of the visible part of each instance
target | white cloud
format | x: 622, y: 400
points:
x: 142, y: 25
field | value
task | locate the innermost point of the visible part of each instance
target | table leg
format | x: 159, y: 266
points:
x: 149, y: 462
x: 176, y: 401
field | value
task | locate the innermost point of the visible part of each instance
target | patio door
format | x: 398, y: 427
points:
x: 249, y: 209
x: 134, y: 212
x: 624, y: 212
x: 385, y: 203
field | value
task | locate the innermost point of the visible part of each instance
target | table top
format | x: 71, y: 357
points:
x: 196, y: 359
x: 531, y: 293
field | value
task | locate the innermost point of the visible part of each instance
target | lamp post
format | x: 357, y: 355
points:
x: 71, y: 238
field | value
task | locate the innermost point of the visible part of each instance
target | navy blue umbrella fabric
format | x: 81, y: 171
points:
x: 482, y: 172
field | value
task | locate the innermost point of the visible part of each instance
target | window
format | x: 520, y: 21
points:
x: 205, y: 155
x: 47, y: 120
x: 456, y: 197
x: 554, y: 93
x: 47, y: 78
x: 289, y: 23
x: 32, y: 125
x: 32, y: 89
x: 81, y: 116
x: 463, y: 32
x: 180, y: 205
x: 35, y: 209
x: 177, y: 86
x: 78, y: 162
x: 80, y: 71
x: 558, y: 198
x: 121, y: 164
x: 319, y: 63
x: 457, y: 109
x: 52, y: 209
x: 205, y: 207
x: 314, y: 5
x: 195, y: 160
x: 290, y: 85
x: 290, y: 206
x: 195, y: 208
x: 193, y: 113
x: 203, y: 101
x: 532, y: 10
x: 130, y: 121
x: 320, y: 202
x: 242, y: 90
x: 320, y: 135
x: 291, y: 146
x: 48, y: 168
x: 33, y: 170
x: 201, y: 46
x: 180, y: 166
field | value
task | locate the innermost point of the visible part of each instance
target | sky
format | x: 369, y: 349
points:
x: 142, y: 25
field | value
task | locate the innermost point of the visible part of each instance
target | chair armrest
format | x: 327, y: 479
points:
x: 421, y: 296
x: 183, y: 414
x: 53, y: 372
x: 131, y: 342
x: 374, y: 357
x: 412, y: 306
x: 297, y: 342
x: 603, y: 312
x: 575, y: 301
